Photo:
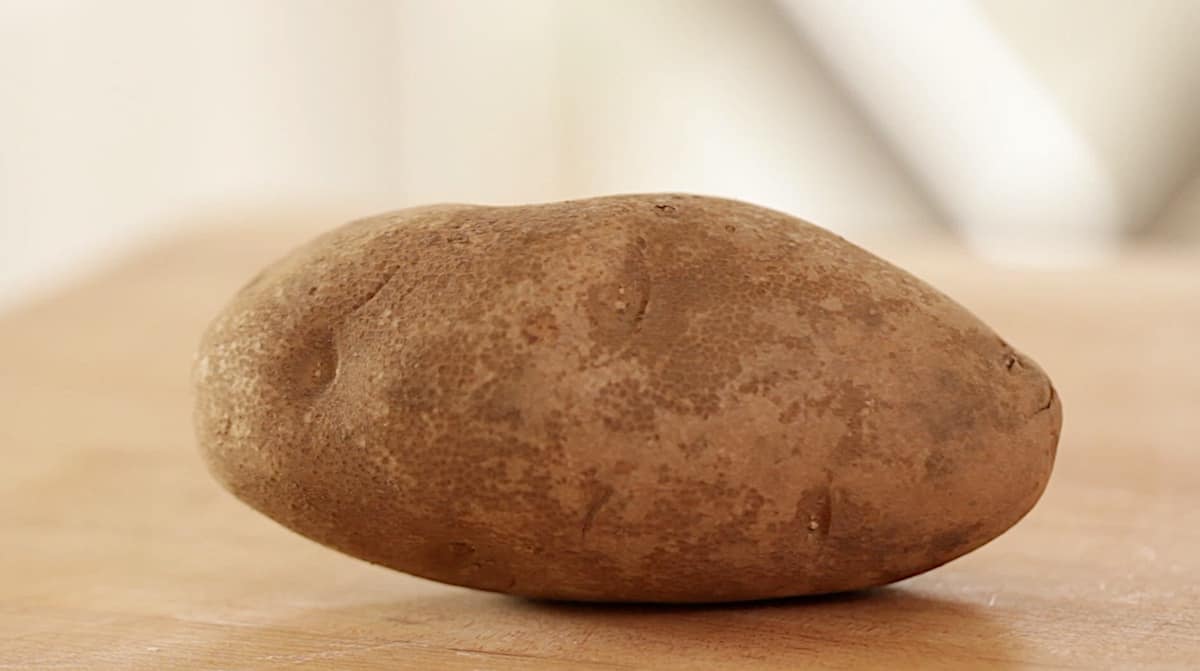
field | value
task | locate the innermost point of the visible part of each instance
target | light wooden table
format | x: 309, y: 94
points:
x: 117, y: 551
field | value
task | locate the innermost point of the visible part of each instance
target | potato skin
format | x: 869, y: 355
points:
x: 657, y: 397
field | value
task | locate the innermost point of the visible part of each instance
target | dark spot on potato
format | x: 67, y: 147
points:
x: 948, y: 414
x: 947, y: 542
x: 938, y: 465
x: 456, y: 552
x: 793, y: 412
x: 589, y: 517
x: 310, y: 367
x: 814, y: 511
x: 694, y: 448
x: 1050, y: 395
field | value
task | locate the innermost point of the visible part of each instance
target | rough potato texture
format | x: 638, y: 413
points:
x: 651, y: 397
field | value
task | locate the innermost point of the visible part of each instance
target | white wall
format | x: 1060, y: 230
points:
x: 721, y: 97
x: 121, y: 120
x: 126, y: 118
x: 1181, y: 220
x: 479, y: 85
x: 1047, y: 131
x: 1127, y: 76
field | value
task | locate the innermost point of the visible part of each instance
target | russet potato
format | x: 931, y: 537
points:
x: 653, y: 397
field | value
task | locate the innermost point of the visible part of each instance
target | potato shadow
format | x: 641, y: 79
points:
x: 889, y: 627
x: 428, y: 626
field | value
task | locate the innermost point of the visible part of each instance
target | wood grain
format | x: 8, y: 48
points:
x: 119, y: 552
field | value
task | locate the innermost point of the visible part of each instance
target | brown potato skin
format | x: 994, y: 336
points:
x: 658, y: 397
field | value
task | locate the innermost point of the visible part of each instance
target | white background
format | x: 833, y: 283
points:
x: 1036, y: 132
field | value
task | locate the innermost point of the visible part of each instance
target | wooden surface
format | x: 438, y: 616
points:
x: 119, y: 552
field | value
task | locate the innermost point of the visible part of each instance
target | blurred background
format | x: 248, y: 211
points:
x: 1037, y: 160
x: 1029, y: 132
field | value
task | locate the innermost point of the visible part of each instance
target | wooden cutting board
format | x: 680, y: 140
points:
x: 117, y: 551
